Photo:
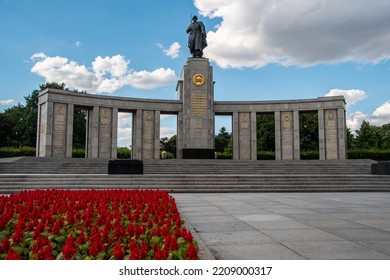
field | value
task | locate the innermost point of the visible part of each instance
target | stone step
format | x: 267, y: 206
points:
x: 193, y: 175
x: 195, y: 183
x: 98, y: 166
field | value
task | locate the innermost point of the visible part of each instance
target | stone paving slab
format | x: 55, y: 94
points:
x: 280, y: 226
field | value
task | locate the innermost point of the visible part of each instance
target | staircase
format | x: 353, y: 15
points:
x: 193, y: 175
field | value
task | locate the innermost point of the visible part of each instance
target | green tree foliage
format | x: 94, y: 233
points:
x: 308, y: 131
x: 370, y: 136
x: 5, y: 129
x: 386, y: 136
x: 265, y: 132
x: 19, y: 123
x: 168, y: 144
x: 79, y: 128
x: 222, y: 140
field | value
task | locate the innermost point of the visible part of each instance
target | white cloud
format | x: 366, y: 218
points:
x: 381, y: 115
x: 124, y: 137
x: 116, y: 65
x: 173, y: 51
x: 107, y: 74
x: 253, y: 33
x: 167, y: 132
x: 7, y: 102
x: 355, y: 120
x: 78, y: 44
x: 352, y: 96
x: 36, y: 56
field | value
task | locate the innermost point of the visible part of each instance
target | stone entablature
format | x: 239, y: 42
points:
x: 196, y: 110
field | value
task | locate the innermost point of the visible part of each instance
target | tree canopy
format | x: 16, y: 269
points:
x: 18, y: 124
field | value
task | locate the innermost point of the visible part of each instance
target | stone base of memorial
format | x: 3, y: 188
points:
x: 198, y: 153
x: 125, y: 166
x: 381, y: 168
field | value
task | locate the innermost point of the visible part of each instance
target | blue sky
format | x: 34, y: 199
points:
x: 260, y: 50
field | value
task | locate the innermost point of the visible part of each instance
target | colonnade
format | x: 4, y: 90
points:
x: 56, y: 113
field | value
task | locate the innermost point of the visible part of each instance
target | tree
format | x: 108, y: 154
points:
x: 5, y: 129
x: 351, y: 141
x: 308, y: 131
x: 168, y: 144
x: 265, y: 132
x: 222, y: 140
x: 385, y: 136
x: 369, y: 136
x: 23, y: 121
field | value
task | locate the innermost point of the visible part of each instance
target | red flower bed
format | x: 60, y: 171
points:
x: 107, y: 224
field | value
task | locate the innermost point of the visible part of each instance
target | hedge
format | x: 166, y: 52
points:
x: 17, y: 152
x: 369, y: 154
x: 266, y: 155
x: 224, y: 155
x: 263, y: 155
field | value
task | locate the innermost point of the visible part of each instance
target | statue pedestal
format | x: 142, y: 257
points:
x: 196, y: 91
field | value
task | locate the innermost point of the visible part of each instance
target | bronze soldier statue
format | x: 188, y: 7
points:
x: 197, y: 37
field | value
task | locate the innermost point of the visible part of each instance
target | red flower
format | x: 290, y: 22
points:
x: 118, y: 251
x: 69, y: 248
x: 5, y: 245
x: 12, y: 255
x: 192, y: 252
x: 81, y: 239
x: 57, y: 226
x: 17, y: 237
x: 188, y: 237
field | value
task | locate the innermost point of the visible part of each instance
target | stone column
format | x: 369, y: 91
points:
x: 137, y: 135
x: 45, y: 129
x: 342, y: 134
x: 244, y: 139
x: 114, y: 134
x: 287, y: 135
x: 179, y: 136
x: 331, y: 138
x: 253, y: 136
x: 69, y: 131
x: 156, y: 147
x: 321, y: 134
x: 93, y: 133
x: 105, y: 133
x: 148, y: 135
x: 59, y: 130
x: 236, y: 133
x: 297, y: 140
x: 198, y: 115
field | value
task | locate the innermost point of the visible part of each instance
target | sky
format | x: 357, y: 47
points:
x: 259, y: 50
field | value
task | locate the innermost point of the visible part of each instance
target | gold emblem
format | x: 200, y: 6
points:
x: 286, y: 117
x: 105, y: 113
x: 331, y: 116
x: 198, y: 79
x: 148, y: 116
x: 60, y: 110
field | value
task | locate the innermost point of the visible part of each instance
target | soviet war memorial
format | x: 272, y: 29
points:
x: 196, y: 205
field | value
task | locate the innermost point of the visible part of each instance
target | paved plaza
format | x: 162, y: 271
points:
x: 279, y: 226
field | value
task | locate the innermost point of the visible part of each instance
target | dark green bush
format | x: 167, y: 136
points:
x: 224, y: 155
x: 373, y: 154
x: 266, y: 155
x: 78, y: 153
x: 310, y: 154
x: 123, y: 153
x: 17, y: 152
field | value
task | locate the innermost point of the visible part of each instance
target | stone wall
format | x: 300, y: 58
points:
x: 195, y: 110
